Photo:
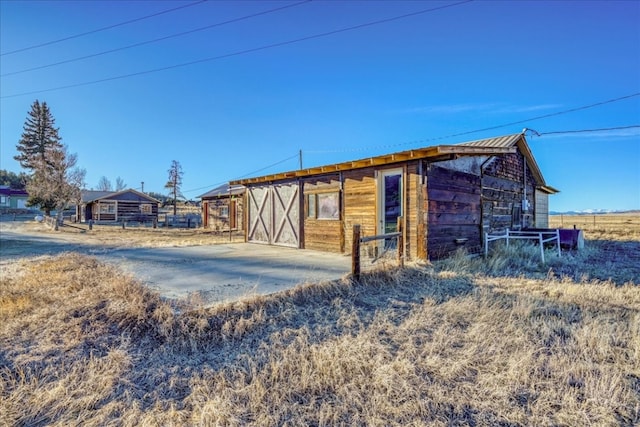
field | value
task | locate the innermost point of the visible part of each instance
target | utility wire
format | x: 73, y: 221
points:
x: 218, y: 24
x: 421, y: 141
x: 587, y: 130
x: 75, y: 36
x: 243, y: 52
x: 245, y: 175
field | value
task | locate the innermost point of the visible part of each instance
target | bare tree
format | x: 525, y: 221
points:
x: 174, y: 183
x: 120, y: 184
x: 58, y: 179
x: 104, y: 184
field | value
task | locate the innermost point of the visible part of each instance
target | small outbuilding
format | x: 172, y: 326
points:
x: 114, y: 206
x: 12, y: 198
x: 223, y: 208
x: 447, y: 196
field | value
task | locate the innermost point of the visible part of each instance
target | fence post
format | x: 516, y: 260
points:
x: 400, y: 243
x: 90, y: 224
x: 355, y: 253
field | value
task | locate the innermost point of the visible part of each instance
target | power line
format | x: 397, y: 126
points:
x: 245, y: 175
x: 587, y: 130
x: 243, y: 52
x: 75, y: 36
x: 544, y: 116
x: 183, y: 33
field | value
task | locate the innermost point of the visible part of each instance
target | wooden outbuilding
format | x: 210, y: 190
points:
x: 114, y: 206
x: 448, y: 196
x: 223, y: 208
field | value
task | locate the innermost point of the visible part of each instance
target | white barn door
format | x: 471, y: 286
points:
x: 259, y: 214
x: 274, y: 214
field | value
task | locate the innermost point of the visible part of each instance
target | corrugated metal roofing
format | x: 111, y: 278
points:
x: 223, y: 190
x: 497, y: 142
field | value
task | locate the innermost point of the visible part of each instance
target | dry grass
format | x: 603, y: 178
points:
x: 614, y: 226
x: 504, y: 341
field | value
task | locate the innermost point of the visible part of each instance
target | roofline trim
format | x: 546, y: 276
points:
x: 439, y: 152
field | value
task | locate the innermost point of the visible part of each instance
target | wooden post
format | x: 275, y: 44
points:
x: 90, y: 224
x: 355, y: 253
x: 400, y: 243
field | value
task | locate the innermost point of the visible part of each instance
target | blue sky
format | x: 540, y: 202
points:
x: 243, y: 97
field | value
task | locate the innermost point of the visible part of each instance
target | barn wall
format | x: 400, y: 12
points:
x: 219, y: 222
x: 359, y: 197
x: 452, y: 210
x: 414, y: 220
x: 503, y: 192
x: 322, y: 234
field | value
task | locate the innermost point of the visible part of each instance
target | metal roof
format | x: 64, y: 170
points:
x: 224, y: 190
x: 482, y: 147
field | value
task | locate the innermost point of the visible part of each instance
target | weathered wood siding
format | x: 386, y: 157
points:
x: 323, y: 234
x: 503, y: 192
x: 359, y: 196
x: 412, y: 212
x: 452, y: 211
x: 131, y: 209
x: 214, y: 212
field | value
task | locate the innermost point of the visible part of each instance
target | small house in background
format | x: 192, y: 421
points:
x: 447, y: 197
x: 223, y: 208
x: 11, y: 198
x: 114, y: 206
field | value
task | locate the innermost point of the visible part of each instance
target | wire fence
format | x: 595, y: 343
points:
x: 619, y: 222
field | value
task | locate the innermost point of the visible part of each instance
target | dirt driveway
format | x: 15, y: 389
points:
x: 217, y: 272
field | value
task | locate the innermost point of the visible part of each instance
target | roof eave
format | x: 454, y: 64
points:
x: 436, y: 153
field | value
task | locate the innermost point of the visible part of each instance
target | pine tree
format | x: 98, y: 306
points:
x: 54, y: 181
x: 39, y: 136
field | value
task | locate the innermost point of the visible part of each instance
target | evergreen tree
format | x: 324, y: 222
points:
x: 174, y: 183
x: 13, y: 180
x: 54, y: 181
x: 39, y: 135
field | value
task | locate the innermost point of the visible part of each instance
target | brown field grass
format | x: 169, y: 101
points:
x: 465, y: 341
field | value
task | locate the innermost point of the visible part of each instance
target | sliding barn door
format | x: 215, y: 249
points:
x: 274, y: 214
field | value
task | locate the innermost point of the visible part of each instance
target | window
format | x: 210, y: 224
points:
x: 328, y: 206
x: 223, y: 211
x: 311, y: 206
x: 107, y: 207
x: 3, y: 200
x: 146, y: 208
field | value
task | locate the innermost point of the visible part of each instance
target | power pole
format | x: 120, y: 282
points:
x: 142, y: 186
x: 300, y: 155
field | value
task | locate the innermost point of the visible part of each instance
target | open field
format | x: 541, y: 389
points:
x: 502, y: 341
x: 614, y: 226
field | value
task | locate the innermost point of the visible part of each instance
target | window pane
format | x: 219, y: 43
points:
x: 328, y: 206
x: 311, y: 206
